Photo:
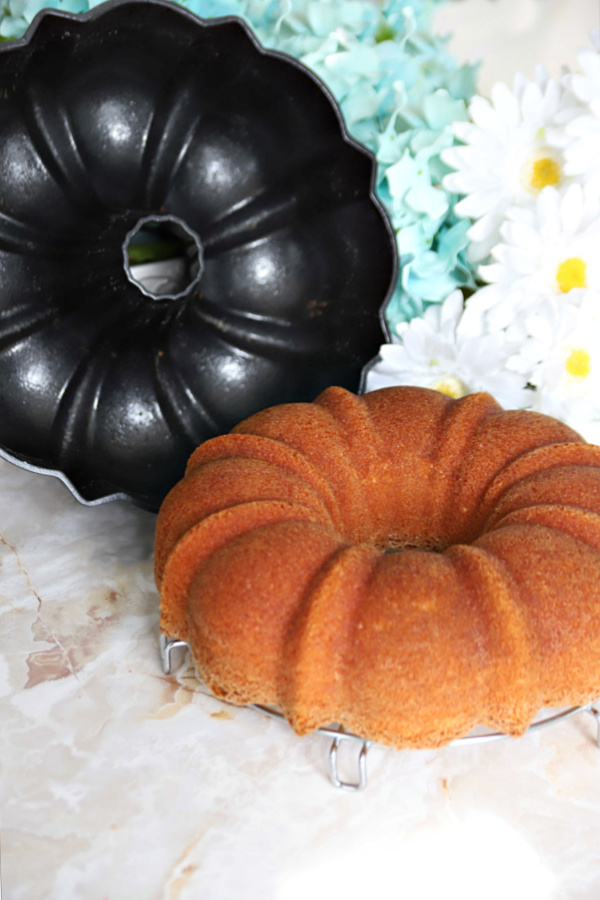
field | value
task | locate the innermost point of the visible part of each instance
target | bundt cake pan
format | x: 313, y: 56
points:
x: 140, y: 113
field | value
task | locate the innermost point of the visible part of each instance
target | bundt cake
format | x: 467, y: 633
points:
x: 402, y: 563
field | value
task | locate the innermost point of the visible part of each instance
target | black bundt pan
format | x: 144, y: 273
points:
x: 140, y: 109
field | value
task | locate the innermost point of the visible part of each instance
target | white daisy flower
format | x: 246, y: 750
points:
x: 582, y: 156
x: 513, y: 148
x: 444, y: 352
x: 549, y: 249
x: 561, y: 358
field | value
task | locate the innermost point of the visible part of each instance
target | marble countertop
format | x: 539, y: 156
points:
x: 118, y: 781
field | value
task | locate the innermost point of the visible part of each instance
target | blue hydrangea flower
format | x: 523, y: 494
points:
x: 399, y: 91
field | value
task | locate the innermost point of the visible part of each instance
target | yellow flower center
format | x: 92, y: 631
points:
x: 578, y: 363
x: 451, y: 386
x: 571, y: 274
x: 540, y: 172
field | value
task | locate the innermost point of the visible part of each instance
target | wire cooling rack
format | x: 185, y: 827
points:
x: 171, y: 647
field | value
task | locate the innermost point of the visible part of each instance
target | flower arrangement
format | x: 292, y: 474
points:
x: 528, y: 168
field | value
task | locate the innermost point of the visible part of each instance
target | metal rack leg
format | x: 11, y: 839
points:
x: 167, y: 646
x: 594, y: 710
x: 361, y: 782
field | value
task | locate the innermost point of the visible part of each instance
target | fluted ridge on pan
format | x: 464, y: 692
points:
x: 51, y: 134
x: 176, y: 114
x: 74, y: 426
x: 185, y: 415
x: 316, y: 183
x: 28, y: 240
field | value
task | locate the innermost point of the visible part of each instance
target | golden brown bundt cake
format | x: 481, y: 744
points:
x: 271, y: 562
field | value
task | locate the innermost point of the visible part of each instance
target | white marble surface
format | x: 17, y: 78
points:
x: 119, y: 783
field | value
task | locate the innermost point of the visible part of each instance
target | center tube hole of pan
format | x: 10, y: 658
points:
x: 163, y: 257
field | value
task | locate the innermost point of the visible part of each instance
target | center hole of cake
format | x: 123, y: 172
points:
x: 163, y: 257
x: 428, y: 545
